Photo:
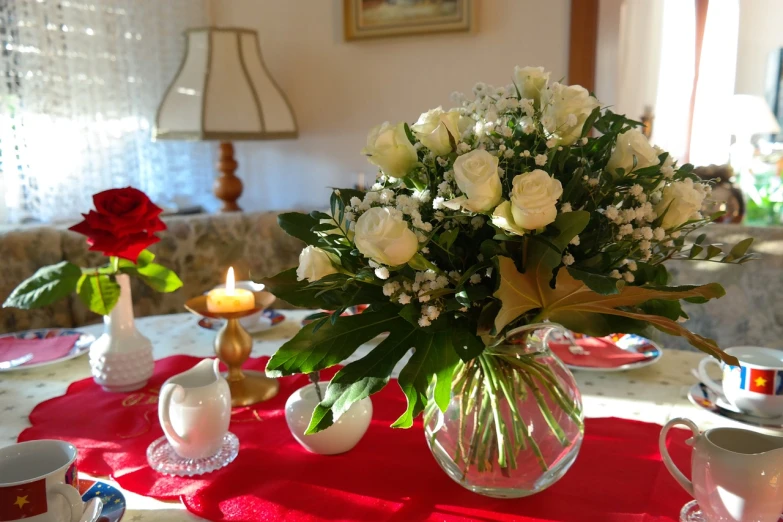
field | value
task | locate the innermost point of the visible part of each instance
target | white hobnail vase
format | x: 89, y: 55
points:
x: 121, y: 359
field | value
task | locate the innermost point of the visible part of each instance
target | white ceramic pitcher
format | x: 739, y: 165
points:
x: 737, y: 474
x: 195, y: 410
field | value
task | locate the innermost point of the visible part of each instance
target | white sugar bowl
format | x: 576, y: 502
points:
x: 340, y: 437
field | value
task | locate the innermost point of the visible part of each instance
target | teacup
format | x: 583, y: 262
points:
x: 755, y: 386
x: 734, y: 473
x: 38, y: 483
x: 195, y: 410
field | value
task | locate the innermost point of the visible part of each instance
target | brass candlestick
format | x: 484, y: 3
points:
x: 233, y: 345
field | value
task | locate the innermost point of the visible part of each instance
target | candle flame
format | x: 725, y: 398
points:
x: 230, y: 280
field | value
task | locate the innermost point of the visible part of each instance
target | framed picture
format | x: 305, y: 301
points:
x: 379, y: 18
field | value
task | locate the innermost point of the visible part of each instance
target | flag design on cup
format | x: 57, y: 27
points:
x: 761, y: 381
x: 23, y: 501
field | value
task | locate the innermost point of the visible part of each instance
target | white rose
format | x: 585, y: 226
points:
x: 681, y: 201
x: 566, y: 107
x: 476, y: 174
x: 389, y: 148
x: 434, y: 127
x: 533, y: 203
x: 383, y: 236
x: 632, y: 144
x: 531, y: 82
x: 314, y: 264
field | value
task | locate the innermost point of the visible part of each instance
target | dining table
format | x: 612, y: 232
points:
x: 655, y: 393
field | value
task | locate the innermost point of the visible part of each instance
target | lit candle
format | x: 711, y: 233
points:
x: 230, y: 299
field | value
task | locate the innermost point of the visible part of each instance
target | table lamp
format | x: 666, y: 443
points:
x: 223, y: 91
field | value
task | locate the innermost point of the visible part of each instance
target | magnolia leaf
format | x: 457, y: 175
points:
x: 571, y: 300
x: 362, y: 378
x: 311, y: 351
x: 45, y: 286
x: 433, y: 359
x: 99, y: 292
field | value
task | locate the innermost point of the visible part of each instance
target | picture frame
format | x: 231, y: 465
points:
x: 384, y: 18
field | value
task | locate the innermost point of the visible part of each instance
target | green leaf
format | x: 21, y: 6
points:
x: 299, y: 226
x: 448, y: 237
x: 599, y: 283
x: 433, y: 356
x: 45, y: 286
x: 569, y: 225
x: 695, y: 251
x: 100, y: 292
x: 364, y: 377
x: 159, y: 278
x: 418, y: 262
x: 590, y: 121
x: 311, y: 351
x: 300, y: 293
x: 145, y: 257
x: 740, y: 248
x: 465, y: 343
x: 713, y: 251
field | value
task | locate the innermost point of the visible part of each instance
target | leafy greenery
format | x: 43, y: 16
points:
x: 100, y: 292
x: 47, y: 285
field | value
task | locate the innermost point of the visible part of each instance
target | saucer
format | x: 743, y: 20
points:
x: 703, y: 397
x: 112, y: 498
x: 163, y: 459
x: 269, y: 319
x: 628, y: 342
x: 692, y: 513
x: 80, y: 347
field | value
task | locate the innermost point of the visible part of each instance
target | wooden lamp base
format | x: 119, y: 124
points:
x: 227, y: 186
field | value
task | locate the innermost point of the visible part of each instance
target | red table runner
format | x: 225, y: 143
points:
x: 389, y: 476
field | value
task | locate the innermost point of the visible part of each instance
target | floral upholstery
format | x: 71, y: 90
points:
x: 199, y: 248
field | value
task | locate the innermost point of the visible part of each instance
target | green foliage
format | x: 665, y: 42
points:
x: 100, y: 292
x: 299, y: 226
x: 330, y: 293
x: 46, y: 286
x: 157, y: 277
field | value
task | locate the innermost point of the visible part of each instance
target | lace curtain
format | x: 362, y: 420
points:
x: 80, y: 82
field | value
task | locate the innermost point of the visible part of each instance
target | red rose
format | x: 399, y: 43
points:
x: 123, y: 223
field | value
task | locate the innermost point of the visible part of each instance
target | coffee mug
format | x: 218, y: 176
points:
x: 38, y: 483
x: 755, y: 386
x: 735, y: 473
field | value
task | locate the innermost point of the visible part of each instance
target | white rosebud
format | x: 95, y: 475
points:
x: 437, y: 130
x: 560, y: 103
x: 382, y: 273
x: 476, y: 174
x: 314, y: 264
x: 383, y: 236
x: 531, y: 82
x: 681, y: 201
x: 533, y: 203
x: 389, y: 148
x: 632, y: 144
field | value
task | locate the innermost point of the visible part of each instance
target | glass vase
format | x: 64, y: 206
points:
x: 514, y: 423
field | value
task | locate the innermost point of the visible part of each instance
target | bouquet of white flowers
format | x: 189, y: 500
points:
x: 525, y: 204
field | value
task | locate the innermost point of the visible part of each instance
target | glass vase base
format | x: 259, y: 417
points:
x: 163, y: 459
x: 692, y: 513
x: 542, y: 482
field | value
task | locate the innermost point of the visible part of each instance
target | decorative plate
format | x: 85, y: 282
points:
x: 112, y: 498
x: 80, y: 347
x: 631, y: 343
x: 700, y: 395
x: 269, y: 318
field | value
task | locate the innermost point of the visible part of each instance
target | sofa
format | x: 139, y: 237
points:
x: 200, y: 248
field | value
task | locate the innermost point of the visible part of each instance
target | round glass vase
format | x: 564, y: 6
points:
x: 514, y: 423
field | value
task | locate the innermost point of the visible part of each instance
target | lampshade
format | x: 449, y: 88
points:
x: 749, y: 115
x: 223, y: 91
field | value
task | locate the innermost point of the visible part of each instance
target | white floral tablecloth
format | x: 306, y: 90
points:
x: 652, y: 394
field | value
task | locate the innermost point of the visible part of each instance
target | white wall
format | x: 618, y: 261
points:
x: 760, y: 33
x: 339, y: 89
